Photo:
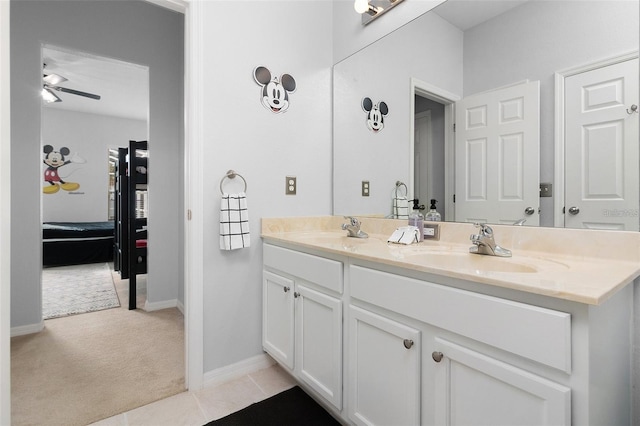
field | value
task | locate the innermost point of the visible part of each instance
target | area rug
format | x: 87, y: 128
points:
x: 288, y: 408
x: 77, y: 289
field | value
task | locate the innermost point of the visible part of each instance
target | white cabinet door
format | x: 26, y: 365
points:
x: 384, y: 370
x: 319, y: 343
x: 474, y: 389
x: 278, y: 318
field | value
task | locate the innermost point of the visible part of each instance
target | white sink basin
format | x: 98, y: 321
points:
x: 473, y: 262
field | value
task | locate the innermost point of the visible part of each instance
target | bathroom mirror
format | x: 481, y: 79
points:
x: 458, y: 49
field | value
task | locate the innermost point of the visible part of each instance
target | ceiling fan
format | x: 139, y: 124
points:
x: 51, y: 82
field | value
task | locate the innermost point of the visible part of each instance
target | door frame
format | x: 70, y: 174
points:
x: 426, y: 90
x: 429, y: 148
x: 559, y: 123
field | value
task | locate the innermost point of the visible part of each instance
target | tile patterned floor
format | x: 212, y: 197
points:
x: 201, y: 407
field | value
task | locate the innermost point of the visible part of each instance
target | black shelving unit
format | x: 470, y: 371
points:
x: 131, y: 179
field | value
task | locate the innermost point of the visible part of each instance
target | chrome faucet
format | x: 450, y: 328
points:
x: 353, y: 228
x: 484, y: 243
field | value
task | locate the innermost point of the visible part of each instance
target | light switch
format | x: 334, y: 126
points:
x: 365, y: 188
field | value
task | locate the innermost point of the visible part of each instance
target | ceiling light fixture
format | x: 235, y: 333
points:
x: 371, y: 9
x: 48, y: 96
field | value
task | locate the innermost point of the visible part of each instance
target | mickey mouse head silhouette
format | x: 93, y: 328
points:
x: 375, y: 114
x: 275, y: 92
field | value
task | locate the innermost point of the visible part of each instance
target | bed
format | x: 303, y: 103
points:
x: 74, y: 243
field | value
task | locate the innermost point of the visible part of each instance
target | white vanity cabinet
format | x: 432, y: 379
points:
x: 302, y: 318
x: 383, y: 370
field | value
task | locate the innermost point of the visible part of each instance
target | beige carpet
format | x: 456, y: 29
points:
x: 87, y: 367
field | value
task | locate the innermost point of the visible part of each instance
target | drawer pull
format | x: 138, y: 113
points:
x: 408, y: 343
x: 286, y: 289
x: 437, y: 356
x: 296, y: 294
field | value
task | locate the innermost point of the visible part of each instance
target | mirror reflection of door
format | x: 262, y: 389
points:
x: 495, y: 132
x: 601, y: 148
x: 429, y: 149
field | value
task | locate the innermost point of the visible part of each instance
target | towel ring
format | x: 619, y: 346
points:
x: 232, y: 175
x: 398, y: 185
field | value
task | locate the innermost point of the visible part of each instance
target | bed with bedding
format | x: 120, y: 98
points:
x: 74, y: 243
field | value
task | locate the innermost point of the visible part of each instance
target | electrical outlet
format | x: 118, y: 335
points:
x: 365, y: 188
x: 291, y: 185
x: 546, y: 190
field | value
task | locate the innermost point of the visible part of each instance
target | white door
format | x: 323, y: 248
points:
x: 278, y: 317
x: 601, y: 148
x: 384, y: 370
x: 319, y: 343
x: 474, y: 389
x: 497, y: 156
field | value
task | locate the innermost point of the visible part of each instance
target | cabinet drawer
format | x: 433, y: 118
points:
x: 539, y: 334
x: 318, y: 270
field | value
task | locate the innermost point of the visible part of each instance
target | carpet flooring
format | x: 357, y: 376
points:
x: 84, y: 368
x: 70, y: 290
x: 289, y: 408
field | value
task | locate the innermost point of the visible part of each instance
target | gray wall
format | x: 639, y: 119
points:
x: 131, y: 31
x: 510, y: 48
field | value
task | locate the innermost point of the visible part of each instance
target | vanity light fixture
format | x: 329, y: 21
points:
x: 48, y: 96
x: 371, y: 9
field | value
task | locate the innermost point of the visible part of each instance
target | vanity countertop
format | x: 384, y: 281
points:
x: 585, y: 266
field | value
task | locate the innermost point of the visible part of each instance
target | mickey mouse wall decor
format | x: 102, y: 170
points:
x: 275, y: 91
x: 54, y: 160
x: 375, y: 114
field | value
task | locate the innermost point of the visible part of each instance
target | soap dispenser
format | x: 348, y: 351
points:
x: 432, y: 214
x: 416, y: 219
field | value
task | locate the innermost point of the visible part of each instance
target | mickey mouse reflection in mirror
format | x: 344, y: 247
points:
x: 375, y: 114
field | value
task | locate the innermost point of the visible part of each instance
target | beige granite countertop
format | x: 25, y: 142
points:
x: 584, y: 266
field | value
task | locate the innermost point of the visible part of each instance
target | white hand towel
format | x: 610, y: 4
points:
x: 234, y: 222
x: 405, y: 235
x: 401, y: 208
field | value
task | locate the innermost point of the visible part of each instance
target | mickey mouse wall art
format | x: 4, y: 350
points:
x: 375, y: 114
x: 275, y: 91
x: 54, y: 160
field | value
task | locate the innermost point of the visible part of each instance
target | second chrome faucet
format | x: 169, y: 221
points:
x: 484, y: 243
x: 353, y: 228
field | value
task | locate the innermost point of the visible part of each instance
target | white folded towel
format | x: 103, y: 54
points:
x: 234, y: 222
x: 405, y: 235
x: 401, y: 208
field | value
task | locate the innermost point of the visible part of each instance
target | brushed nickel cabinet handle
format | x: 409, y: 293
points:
x: 296, y: 294
x: 437, y: 356
x: 286, y: 289
x: 408, y: 343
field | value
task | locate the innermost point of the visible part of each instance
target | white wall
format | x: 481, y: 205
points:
x: 131, y: 31
x: 349, y: 35
x: 239, y: 133
x: 88, y: 136
x: 573, y: 36
x: 384, y: 157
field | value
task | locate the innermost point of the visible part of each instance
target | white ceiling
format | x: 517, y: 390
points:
x: 123, y: 87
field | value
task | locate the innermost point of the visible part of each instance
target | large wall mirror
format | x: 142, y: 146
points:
x: 561, y: 77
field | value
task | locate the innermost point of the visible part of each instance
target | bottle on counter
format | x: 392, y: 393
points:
x: 417, y: 219
x: 432, y: 214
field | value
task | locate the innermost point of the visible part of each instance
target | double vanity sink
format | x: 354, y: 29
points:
x: 384, y: 333
x: 580, y: 265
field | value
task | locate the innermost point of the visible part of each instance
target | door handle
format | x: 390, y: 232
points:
x: 529, y: 211
x: 574, y: 210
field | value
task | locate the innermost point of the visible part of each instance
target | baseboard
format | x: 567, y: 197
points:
x: 27, y: 329
x: 156, y: 306
x: 180, y: 307
x: 239, y: 369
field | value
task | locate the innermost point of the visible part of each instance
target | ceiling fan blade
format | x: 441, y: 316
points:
x: 75, y: 92
x: 53, y: 79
